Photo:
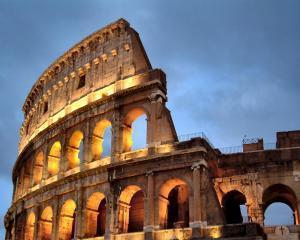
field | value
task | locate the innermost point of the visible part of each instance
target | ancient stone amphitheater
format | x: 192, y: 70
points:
x: 64, y: 188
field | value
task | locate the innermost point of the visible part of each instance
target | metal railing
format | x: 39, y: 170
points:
x: 239, y: 148
x: 189, y: 136
x: 225, y: 150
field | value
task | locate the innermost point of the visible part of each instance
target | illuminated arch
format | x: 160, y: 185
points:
x: 282, y: 194
x: 95, y: 215
x: 54, y: 158
x: 67, y: 220
x: 131, y: 209
x: 30, y: 226
x: 45, y: 231
x: 174, y: 204
x: 231, y: 203
x: 38, y: 168
x: 74, y: 149
x: 98, y: 138
x: 131, y: 116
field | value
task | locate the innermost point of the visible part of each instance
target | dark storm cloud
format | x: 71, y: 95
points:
x: 232, y: 66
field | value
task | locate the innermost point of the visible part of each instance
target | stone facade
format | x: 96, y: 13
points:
x: 169, y: 190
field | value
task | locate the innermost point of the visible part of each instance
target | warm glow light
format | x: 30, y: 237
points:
x: 29, y: 230
x: 92, y: 212
x: 73, y: 149
x: 215, y: 232
x: 83, y: 101
x: 38, y: 168
x: 46, y: 223
x: 54, y: 158
x: 127, y: 127
x: 66, y: 219
x: 98, y: 138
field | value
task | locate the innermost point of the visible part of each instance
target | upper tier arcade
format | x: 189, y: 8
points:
x: 99, y: 66
x: 105, y: 81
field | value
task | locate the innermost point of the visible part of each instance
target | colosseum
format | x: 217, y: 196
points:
x: 65, y: 187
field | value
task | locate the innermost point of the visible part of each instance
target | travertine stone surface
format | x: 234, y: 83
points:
x: 65, y: 189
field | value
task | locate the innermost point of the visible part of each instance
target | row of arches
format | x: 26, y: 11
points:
x: 276, y: 199
x: 64, y: 157
x: 131, y: 215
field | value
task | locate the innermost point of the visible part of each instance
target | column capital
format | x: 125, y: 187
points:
x: 197, y: 165
x: 149, y: 173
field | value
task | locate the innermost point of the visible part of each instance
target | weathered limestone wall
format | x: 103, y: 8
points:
x: 167, y: 190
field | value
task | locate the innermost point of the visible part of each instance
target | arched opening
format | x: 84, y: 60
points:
x: 54, y: 159
x: 101, y: 145
x: 67, y: 220
x: 29, y: 229
x: 279, y: 214
x: 46, y: 224
x: 174, y: 204
x: 95, y: 215
x: 280, y: 205
x: 135, y: 130
x: 131, y: 210
x: 73, y: 151
x: 231, y: 203
x: 38, y: 168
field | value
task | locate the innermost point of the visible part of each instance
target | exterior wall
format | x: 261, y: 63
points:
x: 58, y: 190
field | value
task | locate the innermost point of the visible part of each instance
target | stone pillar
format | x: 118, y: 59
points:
x: 123, y: 217
x: 80, y: 214
x: 36, y: 223
x: 46, y: 151
x: 153, y: 123
x: 116, y: 138
x: 109, y: 221
x: 55, y: 220
x: 63, y: 166
x: 197, y: 222
x: 32, y: 169
x: 149, y: 216
x: 162, y: 208
x: 87, y: 140
x: 16, y: 189
x: 89, y: 222
x: 88, y: 155
x: 256, y: 214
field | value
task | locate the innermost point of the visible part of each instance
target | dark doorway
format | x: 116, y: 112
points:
x: 231, y: 205
x: 136, y: 212
x: 101, y: 218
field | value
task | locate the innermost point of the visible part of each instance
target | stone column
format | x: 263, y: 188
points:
x: 46, y: 151
x: 36, y: 224
x: 32, y: 169
x: 88, y: 155
x: 116, y: 138
x: 109, y: 221
x: 149, y: 216
x: 87, y: 140
x: 16, y: 190
x: 197, y: 222
x: 55, y: 220
x: 80, y: 214
x: 123, y: 217
x: 256, y: 213
x: 63, y: 162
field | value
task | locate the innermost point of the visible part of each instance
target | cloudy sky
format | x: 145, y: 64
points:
x: 233, y: 66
